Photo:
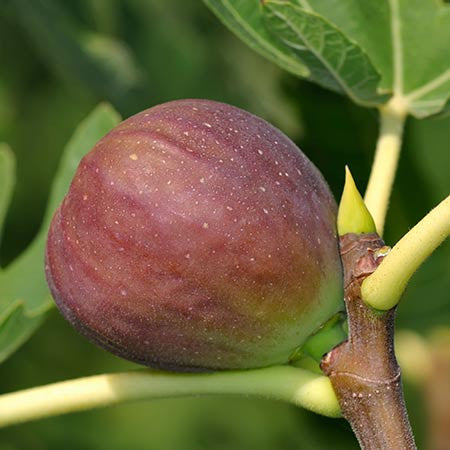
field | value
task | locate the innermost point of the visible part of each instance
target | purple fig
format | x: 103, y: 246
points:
x: 196, y: 236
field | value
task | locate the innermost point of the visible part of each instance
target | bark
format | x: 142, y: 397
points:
x: 363, y: 370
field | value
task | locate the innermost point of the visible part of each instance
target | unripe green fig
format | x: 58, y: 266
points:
x: 196, y: 236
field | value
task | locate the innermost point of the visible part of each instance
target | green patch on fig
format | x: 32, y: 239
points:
x: 196, y: 236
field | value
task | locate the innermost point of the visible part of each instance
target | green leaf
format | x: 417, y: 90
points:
x: 244, y: 17
x: 304, y: 43
x: 408, y: 42
x: 7, y: 181
x: 16, y: 326
x: 333, y: 60
x: 24, y: 296
x: 425, y: 38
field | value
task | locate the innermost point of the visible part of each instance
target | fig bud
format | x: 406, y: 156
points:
x: 196, y: 236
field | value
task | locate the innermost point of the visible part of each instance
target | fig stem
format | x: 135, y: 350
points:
x: 363, y: 370
x: 382, y: 290
x: 291, y: 384
x: 387, y: 152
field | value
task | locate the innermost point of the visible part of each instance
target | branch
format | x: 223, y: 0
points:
x: 291, y: 384
x: 382, y: 290
x: 363, y: 370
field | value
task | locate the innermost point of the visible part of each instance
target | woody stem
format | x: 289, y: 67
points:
x: 363, y: 370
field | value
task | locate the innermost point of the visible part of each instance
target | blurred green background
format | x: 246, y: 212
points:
x: 58, y: 59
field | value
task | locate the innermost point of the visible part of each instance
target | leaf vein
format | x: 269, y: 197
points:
x: 235, y: 13
x: 430, y: 86
x: 317, y: 54
x: 397, y: 47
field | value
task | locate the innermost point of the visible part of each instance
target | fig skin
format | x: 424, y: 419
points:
x: 196, y: 236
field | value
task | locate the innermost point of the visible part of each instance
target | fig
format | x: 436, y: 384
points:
x: 196, y: 236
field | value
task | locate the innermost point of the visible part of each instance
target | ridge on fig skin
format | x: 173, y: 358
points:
x: 196, y: 236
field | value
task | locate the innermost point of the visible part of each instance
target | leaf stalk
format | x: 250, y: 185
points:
x: 382, y: 290
x: 291, y: 384
x: 384, y: 166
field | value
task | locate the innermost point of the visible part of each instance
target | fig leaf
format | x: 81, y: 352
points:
x: 406, y: 42
x: 333, y: 60
x: 303, y: 43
